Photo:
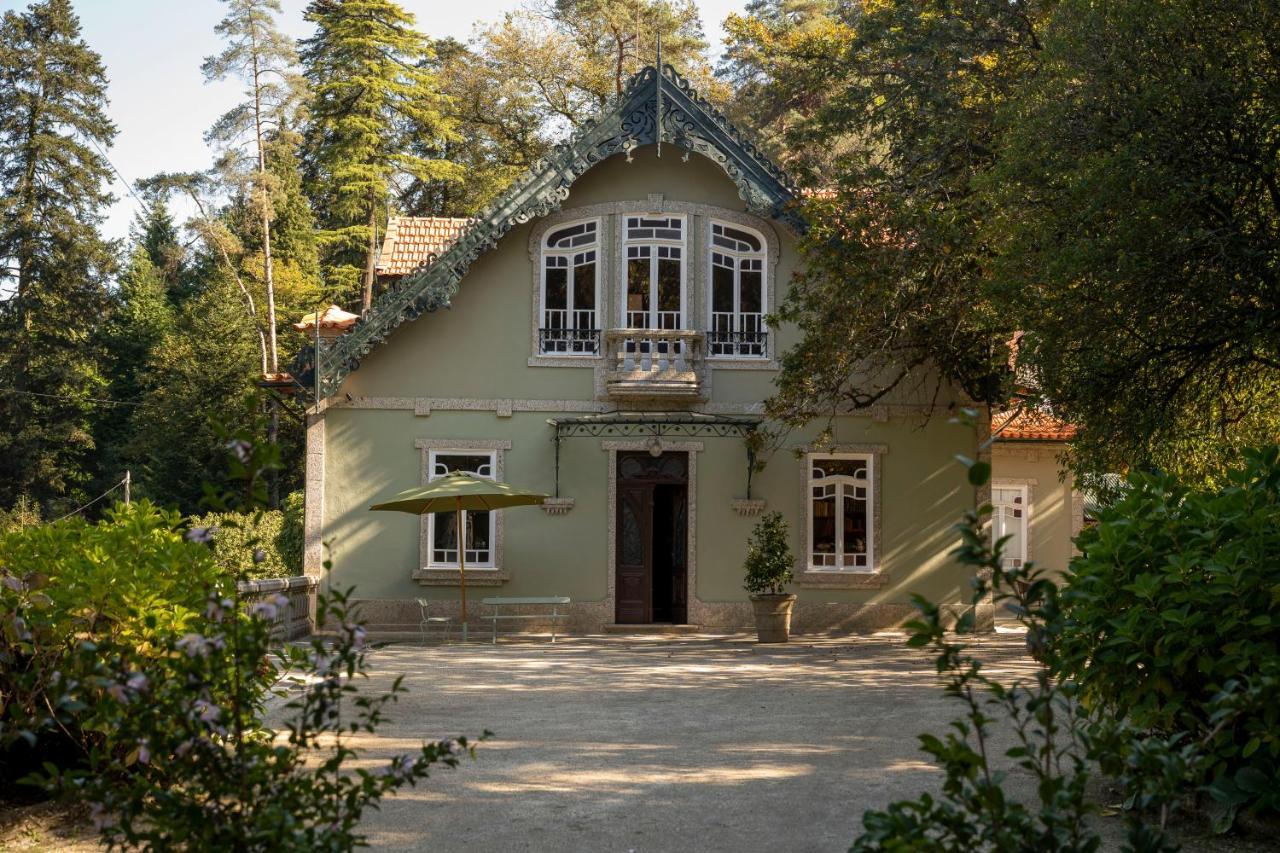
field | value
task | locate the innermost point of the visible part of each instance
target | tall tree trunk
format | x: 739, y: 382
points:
x: 371, y: 254
x: 264, y: 201
x: 268, y: 274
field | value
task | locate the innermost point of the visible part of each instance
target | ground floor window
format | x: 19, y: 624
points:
x: 478, y: 526
x: 1009, y: 515
x: 840, y: 516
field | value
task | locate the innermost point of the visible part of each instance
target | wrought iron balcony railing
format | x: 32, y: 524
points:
x: 738, y: 344
x: 740, y: 335
x: 569, y: 341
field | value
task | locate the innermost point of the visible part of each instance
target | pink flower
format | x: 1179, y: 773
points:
x: 195, y: 645
x: 209, y: 712
x: 137, y: 682
x: 240, y: 448
x: 202, y: 535
x: 144, y: 752
x: 264, y: 610
x: 100, y: 817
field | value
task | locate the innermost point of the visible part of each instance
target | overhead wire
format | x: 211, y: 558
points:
x: 72, y: 399
x: 89, y: 504
x: 128, y: 186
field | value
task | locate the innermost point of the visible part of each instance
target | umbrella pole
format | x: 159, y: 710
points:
x: 462, y: 565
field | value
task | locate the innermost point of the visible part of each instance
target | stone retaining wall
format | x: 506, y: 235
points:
x: 298, y: 618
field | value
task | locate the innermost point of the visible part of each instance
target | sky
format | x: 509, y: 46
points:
x: 160, y: 103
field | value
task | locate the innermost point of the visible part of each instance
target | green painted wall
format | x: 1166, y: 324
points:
x: 371, y: 456
x: 481, y: 345
x: 479, y: 349
x: 1050, y: 527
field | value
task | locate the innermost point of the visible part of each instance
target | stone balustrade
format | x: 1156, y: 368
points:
x: 649, y: 363
x: 298, y: 618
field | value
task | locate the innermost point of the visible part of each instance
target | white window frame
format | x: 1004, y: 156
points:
x: 489, y: 564
x: 763, y: 256
x: 869, y: 502
x: 623, y: 264
x: 544, y: 253
x: 1025, y: 490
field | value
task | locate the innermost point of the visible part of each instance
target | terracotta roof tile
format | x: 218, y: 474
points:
x: 1019, y: 424
x: 413, y: 242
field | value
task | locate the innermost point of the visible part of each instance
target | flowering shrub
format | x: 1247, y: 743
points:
x: 126, y: 583
x: 194, y: 766
x: 203, y: 772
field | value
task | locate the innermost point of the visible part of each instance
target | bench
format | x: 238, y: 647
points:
x: 500, y: 605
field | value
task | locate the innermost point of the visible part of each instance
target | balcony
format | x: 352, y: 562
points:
x: 653, y: 363
x: 740, y: 335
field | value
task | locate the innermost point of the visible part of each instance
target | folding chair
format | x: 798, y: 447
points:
x: 442, y: 623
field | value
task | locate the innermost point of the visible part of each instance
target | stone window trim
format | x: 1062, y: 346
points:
x: 427, y: 575
x: 763, y: 256
x: 541, y: 255
x: 809, y: 578
x: 1029, y: 483
x: 692, y: 448
x: 697, y: 268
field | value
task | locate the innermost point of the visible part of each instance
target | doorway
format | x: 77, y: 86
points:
x: 652, y: 538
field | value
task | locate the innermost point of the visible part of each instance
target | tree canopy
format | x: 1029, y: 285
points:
x: 55, y: 265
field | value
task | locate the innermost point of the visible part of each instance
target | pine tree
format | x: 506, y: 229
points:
x: 142, y: 317
x: 263, y: 58
x: 501, y: 134
x: 155, y: 230
x: 53, y: 124
x: 370, y: 83
x: 205, y: 364
x: 570, y: 57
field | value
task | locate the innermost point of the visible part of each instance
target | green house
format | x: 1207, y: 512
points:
x: 601, y: 334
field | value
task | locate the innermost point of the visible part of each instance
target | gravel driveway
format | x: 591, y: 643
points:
x: 635, y: 744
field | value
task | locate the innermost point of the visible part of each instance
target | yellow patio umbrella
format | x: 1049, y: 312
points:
x: 458, y: 492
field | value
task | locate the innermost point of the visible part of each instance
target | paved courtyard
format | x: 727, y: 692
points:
x: 637, y: 744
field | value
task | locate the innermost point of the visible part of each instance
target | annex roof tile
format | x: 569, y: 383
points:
x: 413, y: 242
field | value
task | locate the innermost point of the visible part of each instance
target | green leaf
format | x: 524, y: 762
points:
x: 979, y: 473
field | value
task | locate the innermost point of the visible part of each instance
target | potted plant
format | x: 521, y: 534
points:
x: 768, y: 569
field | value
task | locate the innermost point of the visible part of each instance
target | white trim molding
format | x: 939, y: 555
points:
x: 875, y: 577
x: 612, y: 268
x: 429, y: 575
x: 1028, y: 486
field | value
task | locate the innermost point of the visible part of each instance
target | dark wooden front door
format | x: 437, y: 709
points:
x: 652, y: 538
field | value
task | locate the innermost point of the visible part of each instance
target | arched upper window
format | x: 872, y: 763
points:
x: 738, y: 300
x: 570, y: 290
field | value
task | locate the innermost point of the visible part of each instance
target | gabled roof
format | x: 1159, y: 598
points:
x: 655, y: 108
x: 413, y: 242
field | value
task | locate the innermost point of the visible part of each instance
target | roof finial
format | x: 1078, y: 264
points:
x: 657, y: 110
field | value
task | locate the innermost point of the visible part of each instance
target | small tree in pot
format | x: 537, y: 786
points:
x: 768, y: 568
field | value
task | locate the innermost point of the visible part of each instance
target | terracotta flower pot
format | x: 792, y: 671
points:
x: 773, y: 616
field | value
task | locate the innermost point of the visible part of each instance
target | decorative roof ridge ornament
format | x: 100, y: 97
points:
x: 657, y: 99
x: 633, y: 118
